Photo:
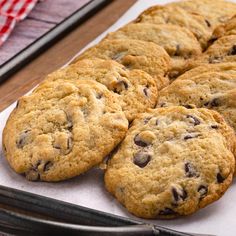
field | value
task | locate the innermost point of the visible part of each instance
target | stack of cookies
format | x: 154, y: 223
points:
x: 155, y: 99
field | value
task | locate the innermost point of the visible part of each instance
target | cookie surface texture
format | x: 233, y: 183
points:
x: 226, y: 68
x: 221, y: 51
x: 135, y: 89
x: 178, y: 41
x: 171, y: 163
x: 212, y: 90
x: 228, y: 28
x: 134, y: 54
x: 175, y: 15
x: 214, y: 11
x: 63, y: 129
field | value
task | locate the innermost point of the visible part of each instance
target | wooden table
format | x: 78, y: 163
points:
x: 61, y: 52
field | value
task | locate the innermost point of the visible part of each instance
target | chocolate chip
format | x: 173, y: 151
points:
x: 141, y: 159
x: 162, y: 104
x: 145, y: 91
x: 47, y: 166
x: 22, y: 140
x: 202, y: 191
x: 56, y: 146
x: 215, y: 102
x: 138, y: 141
x: 232, y: 50
x: 214, y: 126
x: 177, y: 50
x: 146, y: 120
x: 175, y: 194
x: 69, y: 125
x: 184, y: 195
x: 32, y: 175
x: 208, y: 23
x: 195, y: 120
x: 125, y: 84
x: 37, y: 164
x: 179, y: 194
x: 99, y: 96
x: 212, y: 40
x: 215, y: 59
x: 220, y: 178
x: 120, y: 86
x: 167, y: 211
x: 64, y: 150
x: 157, y: 122
x: 190, y: 170
x: 69, y: 145
x: 190, y: 136
x: 188, y: 106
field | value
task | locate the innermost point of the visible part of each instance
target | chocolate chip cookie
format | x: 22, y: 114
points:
x: 212, y: 90
x: 228, y: 28
x: 214, y: 11
x: 172, y: 162
x: 226, y: 68
x: 197, y: 24
x: 134, y: 54
x: 178, y: 41
x: 135, y: 89
x: 63, y: 129
x: 222, y: 50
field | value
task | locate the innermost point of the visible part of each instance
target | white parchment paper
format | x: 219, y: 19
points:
x: 88, y: 189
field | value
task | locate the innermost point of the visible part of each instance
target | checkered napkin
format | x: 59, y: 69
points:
x: 12, y: 11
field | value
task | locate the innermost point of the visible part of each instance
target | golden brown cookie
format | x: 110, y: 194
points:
x: 212, y: 90
x: 133, y: 54
x: 178, y: 41
x: 228, y: 28
x: 226, y: 68
x: 214, y: 11
x: 135, y: 89
x: 172, y: 162
x: 175, y: 15
x: 63, y: 129
x: 222, y: 50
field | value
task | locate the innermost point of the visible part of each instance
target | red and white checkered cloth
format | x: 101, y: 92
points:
x: 12, y: 11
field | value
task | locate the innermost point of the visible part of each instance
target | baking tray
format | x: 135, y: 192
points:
x: 51, y: 216
x: 45, y: 41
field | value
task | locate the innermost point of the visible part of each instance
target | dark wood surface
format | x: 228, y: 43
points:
x: 41, y: 19
x: 61, y: 52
